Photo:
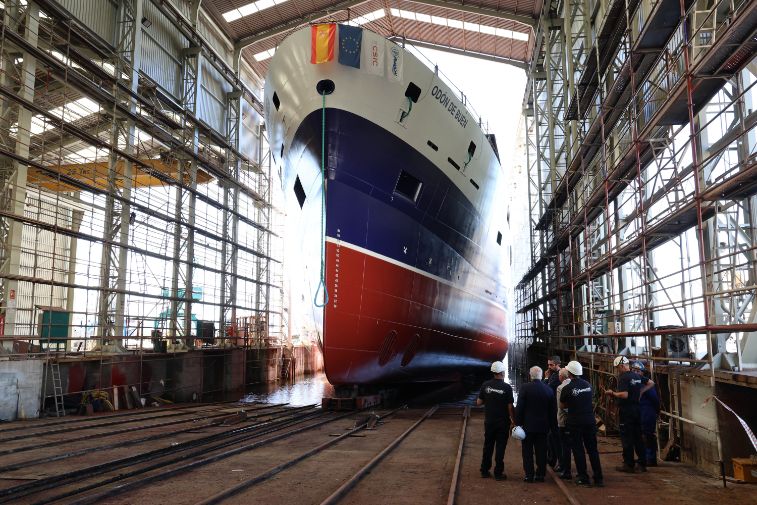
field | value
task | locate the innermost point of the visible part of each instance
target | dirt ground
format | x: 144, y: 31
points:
x: 418, y: 472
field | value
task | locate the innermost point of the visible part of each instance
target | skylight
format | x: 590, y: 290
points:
x: 455, y: 23
x: 250, y: 8
x: 76, y: 109
x: 264, y: 55
x: 367, y: 18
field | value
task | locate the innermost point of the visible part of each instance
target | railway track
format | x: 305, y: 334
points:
x: 40, y: 445
x: 258, y: 413
x: 394, y: 455
x: 243, y: 486
x: 146, y: 413
x: 353, y: 481
x: 146, y: 461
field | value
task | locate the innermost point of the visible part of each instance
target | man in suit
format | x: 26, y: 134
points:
x: 536, y: 413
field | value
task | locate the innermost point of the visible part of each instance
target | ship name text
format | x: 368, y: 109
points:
x: 446, y: 101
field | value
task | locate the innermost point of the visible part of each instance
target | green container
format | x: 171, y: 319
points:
x: 53, y: 327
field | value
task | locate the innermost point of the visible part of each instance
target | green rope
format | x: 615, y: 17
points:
x: 322, y: 281
x: 470, y: 156
x: 409, y: 108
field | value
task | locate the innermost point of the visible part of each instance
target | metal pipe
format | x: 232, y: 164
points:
x: 689, y: 421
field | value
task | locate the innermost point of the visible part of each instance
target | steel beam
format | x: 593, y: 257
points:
x: 528, y: 21
x: 21, y: 16
x: 114, y: 260
x: 461, y: 52
x: 184, y: 208
x: 292, y: 24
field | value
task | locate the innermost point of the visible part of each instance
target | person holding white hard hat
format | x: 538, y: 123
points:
x: 535, y: 412
x: 577, y: 399
x: 497, y: 398
x: 630, y: 388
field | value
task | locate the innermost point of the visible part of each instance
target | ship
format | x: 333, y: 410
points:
x: 396, y: 206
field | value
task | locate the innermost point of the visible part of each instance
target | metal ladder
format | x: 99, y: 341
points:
x: 54, y: 368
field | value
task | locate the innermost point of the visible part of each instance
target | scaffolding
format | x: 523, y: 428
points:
x: 641, y: 150
x: 136, y: 197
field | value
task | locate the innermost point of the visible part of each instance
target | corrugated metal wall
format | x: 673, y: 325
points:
x: 207, y: 32
x: 249, y: 134
x: 44, y: 256
x: 162, y: 46
x: 98, y: 15
x: 212, y: 99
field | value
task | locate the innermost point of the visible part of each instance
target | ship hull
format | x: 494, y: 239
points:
x: 389, y: 325
x: 413, y: 284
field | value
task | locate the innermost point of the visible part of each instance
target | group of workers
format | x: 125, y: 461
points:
x: 554, y: 418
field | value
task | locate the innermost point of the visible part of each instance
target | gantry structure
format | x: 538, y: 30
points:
x: 136, y: 192
x: 640, y: 134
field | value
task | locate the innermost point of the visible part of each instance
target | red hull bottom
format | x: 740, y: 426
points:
x: 387, y: 324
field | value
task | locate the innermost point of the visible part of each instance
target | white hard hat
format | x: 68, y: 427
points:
x: 575, y: 368
x: 498, y: 367
x: 620, y: 360
x: 518, y: 433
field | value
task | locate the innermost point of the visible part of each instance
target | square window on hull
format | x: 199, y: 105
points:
x: 408, y: 186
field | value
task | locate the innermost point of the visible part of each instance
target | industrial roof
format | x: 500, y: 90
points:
x: 495, y: 29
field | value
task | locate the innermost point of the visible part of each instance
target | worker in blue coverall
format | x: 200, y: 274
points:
x: 650, y: 409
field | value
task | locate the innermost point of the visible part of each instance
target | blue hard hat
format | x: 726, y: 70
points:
x: 638, y: 364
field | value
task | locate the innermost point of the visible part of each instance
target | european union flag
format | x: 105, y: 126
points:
x: 350, y: 41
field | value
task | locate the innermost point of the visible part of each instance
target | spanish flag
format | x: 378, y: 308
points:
x: 322, y: 43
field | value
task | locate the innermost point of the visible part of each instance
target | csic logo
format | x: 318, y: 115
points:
x: 395, y: 61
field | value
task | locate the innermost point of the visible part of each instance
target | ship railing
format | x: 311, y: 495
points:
x: 484, y: 125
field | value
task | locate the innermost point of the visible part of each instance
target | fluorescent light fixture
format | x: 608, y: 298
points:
x: 264, y: 55
x: 454, y: 23
x: 249, y: 9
